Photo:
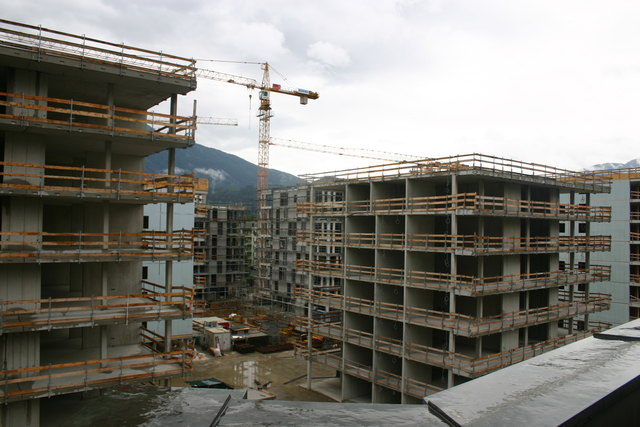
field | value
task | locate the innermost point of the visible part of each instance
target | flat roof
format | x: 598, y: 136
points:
x: 549, y: 389
x: 474, y: 164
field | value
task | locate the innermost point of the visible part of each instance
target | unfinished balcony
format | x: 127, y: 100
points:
x: 464, y: 245
x: 462, y: 324
x: 460, y: 363
x: 201, y: 210
x: 71, y: 369
x: 151, y: 303
x: 459, y: 284
x: 379, y: 377
x: 94, y: 184
x: 43, y: 247
x: 460, y: 204
x: 470, y: 165
x: 151, y: 70
x: 70, y: 118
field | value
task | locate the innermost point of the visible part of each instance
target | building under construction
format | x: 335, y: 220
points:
x: 624, y: 257
x: 423, y: 275
x: 75, y: 128
x: 221, y: 265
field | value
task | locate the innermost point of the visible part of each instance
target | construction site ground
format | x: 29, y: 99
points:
x: 243, y: 370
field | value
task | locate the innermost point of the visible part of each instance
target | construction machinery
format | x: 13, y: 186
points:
x: 264, y: 115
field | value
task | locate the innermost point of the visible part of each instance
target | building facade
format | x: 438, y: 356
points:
x: 624, y: 257
x: 75, y: 128
x: 221, y: 267
x: 278, y: 261
x: 425, y: 275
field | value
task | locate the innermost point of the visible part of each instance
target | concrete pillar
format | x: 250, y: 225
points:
x: 572, y: 257
x: 454, y: 271
x: 168, y: 275
x: 310, y: 228
x: 22, y: 214
x: 510, y: 266
x: 587, y: 262
x: 24, y: 414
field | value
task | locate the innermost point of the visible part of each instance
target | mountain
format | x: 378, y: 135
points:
x: 231, y: 178
x: 635, y: 163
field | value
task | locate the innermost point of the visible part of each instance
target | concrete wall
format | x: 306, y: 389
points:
x: 618, y: 257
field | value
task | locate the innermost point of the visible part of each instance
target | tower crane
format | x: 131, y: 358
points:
x: 264, y: 114
x: 220, y: 121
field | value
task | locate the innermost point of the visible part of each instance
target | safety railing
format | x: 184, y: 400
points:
x: 69, y: 114
x: 157, y: 343
x: 25, y: 246
x: 462, y: 324
x: 201, y: 209
x: 333, y: 359
x: 461, y: 364
x: 634, y: 236
x: 199, y: 282
x: 86, y: 182
x: 635, y: 194
x: 199, y: 233
x: 42, y: 41
x: 465, y: 244
x: 61, y: 378
x: 634, y: 216
x: 460, y: 284
x: 635, y: 257
x: 202, y: 185
x: 152, y: 302
x: 635, y: 278
x: 468, y: 163
x: 463, y: 203
x: 199, y: 255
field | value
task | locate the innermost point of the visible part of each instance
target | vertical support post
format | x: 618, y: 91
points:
x: 480, y: 275
x: 168, y: 272
x: 310, y: 227
x: 587, y: 260
x: 572, y: 258
x: 527, y: 293
x: 454, y: 272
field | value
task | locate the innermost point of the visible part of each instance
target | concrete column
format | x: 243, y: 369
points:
x: 528, y: 267
x: 572, y: 257
x: 510, y: 266
x: 454, y: 271
x: 25, y: 413
x: 405, y: 268
x: 104, y: 335
x: 480, y: 299
x: 587, y: 262
x: 310, y: 245
x: 22, y: 214
x: 168, y: 274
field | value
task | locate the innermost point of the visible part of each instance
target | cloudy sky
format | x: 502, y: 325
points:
x: 553, y: 82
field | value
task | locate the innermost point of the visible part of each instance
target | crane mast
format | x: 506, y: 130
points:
x: 264, y: 115
x: 263, y: 183
x: 265, y: 127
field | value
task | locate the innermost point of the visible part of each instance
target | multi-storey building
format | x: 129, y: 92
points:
x: 444, y: 270
x: 220, y: 264
x: 283, y: 249
x: 624, y: 257
x: 74, y: 133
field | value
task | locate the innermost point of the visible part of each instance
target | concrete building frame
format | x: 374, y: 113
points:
x: 426, y: 275
x: 75, y: 128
